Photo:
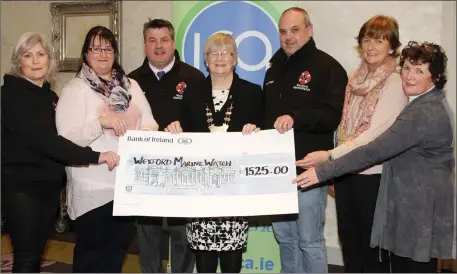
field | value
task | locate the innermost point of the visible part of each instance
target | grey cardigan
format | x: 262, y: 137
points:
x: 414, y: 214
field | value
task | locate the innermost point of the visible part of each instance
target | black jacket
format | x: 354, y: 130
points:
x: 31, y: 149
x: 245, y: 97
x: 309, y: 86
x: 163, y: 97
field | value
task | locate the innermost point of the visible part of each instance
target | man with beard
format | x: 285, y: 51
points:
x: 304, y: 90
x: 165, y: 80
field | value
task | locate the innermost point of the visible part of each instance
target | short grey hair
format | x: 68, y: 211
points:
x: 27, y: 41
x: 220, y: 41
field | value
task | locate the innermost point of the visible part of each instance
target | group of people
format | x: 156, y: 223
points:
x: 395, y: 203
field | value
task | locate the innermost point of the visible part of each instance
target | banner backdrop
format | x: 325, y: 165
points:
x: 253, y: 24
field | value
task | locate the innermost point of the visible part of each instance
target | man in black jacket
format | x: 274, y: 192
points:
x: 304, y: 90
x: 165, y: 80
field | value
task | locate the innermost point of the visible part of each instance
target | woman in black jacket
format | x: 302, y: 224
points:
x: 226, y: 103
x: 33, y: 154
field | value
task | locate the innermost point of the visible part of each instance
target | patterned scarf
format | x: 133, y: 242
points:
x: 115, y: 91
x: 369, y: 87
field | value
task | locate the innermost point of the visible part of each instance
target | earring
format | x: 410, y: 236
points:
x: 391, y: 51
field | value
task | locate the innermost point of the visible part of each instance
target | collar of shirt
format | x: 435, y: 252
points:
x: 165, y: 69
x: 411, y: 98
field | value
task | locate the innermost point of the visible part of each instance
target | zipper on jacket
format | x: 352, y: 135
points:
x: 390, y: 263
x: 283, y: 78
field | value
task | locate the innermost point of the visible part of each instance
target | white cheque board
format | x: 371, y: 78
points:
x: 205, y: 174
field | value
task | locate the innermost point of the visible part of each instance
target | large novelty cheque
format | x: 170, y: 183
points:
x: 205, y: 174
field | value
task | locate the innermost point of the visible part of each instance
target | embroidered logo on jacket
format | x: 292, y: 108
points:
x: 180, y: 88
x: 303, y: 80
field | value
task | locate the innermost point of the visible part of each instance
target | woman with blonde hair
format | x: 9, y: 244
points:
x: 227, y: 103
x: 373, y: 100
x: 33, y: 155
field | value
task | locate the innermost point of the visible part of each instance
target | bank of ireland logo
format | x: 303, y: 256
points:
x: 184, y: 141
x: 254, y: 30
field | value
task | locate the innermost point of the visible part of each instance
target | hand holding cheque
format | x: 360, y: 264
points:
x: 175, y: 128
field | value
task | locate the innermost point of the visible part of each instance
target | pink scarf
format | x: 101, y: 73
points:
x: 360, y: 84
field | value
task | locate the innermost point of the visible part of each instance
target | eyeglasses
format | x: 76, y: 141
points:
x: 99, y: 50
x: 223, y: 54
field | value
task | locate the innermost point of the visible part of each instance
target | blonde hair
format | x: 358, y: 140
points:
x: 219, y: 41
x: 26, y: 42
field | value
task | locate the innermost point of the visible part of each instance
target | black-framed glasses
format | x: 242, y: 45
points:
x: 99, y: 50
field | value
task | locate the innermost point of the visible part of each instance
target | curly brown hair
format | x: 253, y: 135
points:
x: 427, y: 53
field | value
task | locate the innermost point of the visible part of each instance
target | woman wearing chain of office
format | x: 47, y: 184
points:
x: 226, y: 103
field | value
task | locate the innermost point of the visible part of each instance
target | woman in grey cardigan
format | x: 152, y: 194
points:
x: 414, y: 217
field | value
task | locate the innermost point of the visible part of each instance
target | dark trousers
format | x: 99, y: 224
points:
x: 30, y: 217
x: 355, y: 200
x: 407, y: 265
x: 102, y: 241
x: 150, y: 242
x: 230, y: 261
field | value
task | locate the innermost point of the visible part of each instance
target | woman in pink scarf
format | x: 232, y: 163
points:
x: 95, y: 108
x: 373, y: 100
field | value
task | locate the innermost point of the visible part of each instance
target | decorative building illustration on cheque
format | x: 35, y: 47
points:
x: 194, y: 177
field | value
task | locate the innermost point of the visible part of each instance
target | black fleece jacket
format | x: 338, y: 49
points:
x: 32, y: 151
x: 163, y: 96
x: 309, y: 86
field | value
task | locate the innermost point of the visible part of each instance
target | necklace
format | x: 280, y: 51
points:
x: 225, y: 125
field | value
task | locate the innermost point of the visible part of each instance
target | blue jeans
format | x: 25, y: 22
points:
x: 301, y: 238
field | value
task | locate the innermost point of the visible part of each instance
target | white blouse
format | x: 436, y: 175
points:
x: 219, y: 98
